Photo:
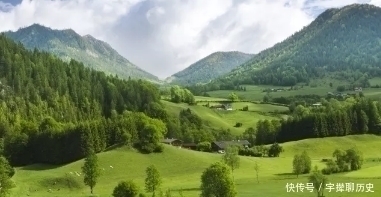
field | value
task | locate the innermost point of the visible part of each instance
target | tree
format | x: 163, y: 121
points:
x: 5, y: 177
x: 301, y: 164
x: 257, y: 168
x: 91, y: 171
x: 216, y: 181
x: 153, y: 179
x: 319, y: 181
x: 231, y: 158
x: 330, y: 84
x: 307, y: 162
x: 233, y: 96
x: 266, y: 98
x: 298, y: 165
x: 275, y: 150
x: 340, y: 88
x: 354, y: 158
x: 204, y: 146
x: 126, y: 189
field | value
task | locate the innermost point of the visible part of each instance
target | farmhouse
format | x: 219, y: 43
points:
x: 223, y: 106
x: 191, y: 146
x: 173, y: 142
x: 221, y: 145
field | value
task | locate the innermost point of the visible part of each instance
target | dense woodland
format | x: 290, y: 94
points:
x: 53, y: 111
x: 341, y: 43
x: 334, y: 118
x: 56, y: 112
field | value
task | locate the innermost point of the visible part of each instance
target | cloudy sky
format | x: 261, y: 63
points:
x: 165, y: 36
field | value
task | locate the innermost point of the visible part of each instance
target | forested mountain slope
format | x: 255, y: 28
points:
x: 345, y: 43
x: 67, y: 44
x: 52, y: 111
x: 210, y: 67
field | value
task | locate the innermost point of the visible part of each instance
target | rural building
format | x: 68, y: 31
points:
x: 173, y: 142
x: 191, y: 146
x: 316, y: 104
x: 358, y: 89
x: 224, y: 106
x: 221, y: 145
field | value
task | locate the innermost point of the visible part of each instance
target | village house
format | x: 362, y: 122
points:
x: 222, y: 145
x: 173, y: 142
x: 191, y: 146
x: 223, y: 106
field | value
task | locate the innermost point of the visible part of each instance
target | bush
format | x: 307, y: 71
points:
x: 126, y: 189
x: 346, y: 161
x: 246, y: 108
x: 238, y: 124
x: 159, y: 148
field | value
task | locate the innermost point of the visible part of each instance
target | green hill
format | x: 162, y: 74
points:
x: 67, y: 45
x: 344, y: 44
x: 210, y: 67
x: 181, y: 169
x: 218, y: 119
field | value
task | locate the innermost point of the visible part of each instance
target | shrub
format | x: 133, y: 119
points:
x: 126, y: 189
x: 238, y: 124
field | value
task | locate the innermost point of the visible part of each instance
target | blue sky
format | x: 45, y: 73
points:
x: 165, y: 36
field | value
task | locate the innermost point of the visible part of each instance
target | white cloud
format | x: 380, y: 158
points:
x: 165, y: 36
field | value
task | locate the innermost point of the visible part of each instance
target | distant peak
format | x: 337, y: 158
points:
x: 36, y: 26
x: 88, y: 36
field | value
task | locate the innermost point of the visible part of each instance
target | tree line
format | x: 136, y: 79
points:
x: 333, y: 118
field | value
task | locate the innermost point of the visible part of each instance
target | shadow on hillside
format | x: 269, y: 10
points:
x: 58, y: 183
x: 187, y: 189
x: 40, y: 167
x: 283, y: 176
x: 113, y: 147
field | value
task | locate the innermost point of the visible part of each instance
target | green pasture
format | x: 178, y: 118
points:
x: 319, y: 87
x: 227, y: 119
x: 181, y: 169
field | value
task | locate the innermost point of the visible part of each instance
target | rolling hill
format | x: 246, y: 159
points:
x: 343, y: 44
x: 181, y: 169
x: 67, y: 44
x: 210, y: 67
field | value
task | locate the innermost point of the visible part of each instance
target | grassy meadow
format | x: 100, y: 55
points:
x: 182, y: 169
x: 255, y: 93
x: 227, y: 119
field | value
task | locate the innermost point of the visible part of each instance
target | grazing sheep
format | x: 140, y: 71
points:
x: 111, y: 167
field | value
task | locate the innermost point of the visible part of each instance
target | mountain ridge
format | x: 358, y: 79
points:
x: 209, y: 67
x: 339, y: 38
x: 67, y: 44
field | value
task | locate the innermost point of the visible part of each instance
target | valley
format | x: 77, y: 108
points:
x: 78, y: 119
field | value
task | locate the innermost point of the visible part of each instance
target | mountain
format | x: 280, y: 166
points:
x: 67, y: 44
x: 210, y: 67
x: 342, y: 43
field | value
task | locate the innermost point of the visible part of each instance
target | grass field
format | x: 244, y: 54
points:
x: 181, y: 169
x: 255, y: 93
x: 227, y: 119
